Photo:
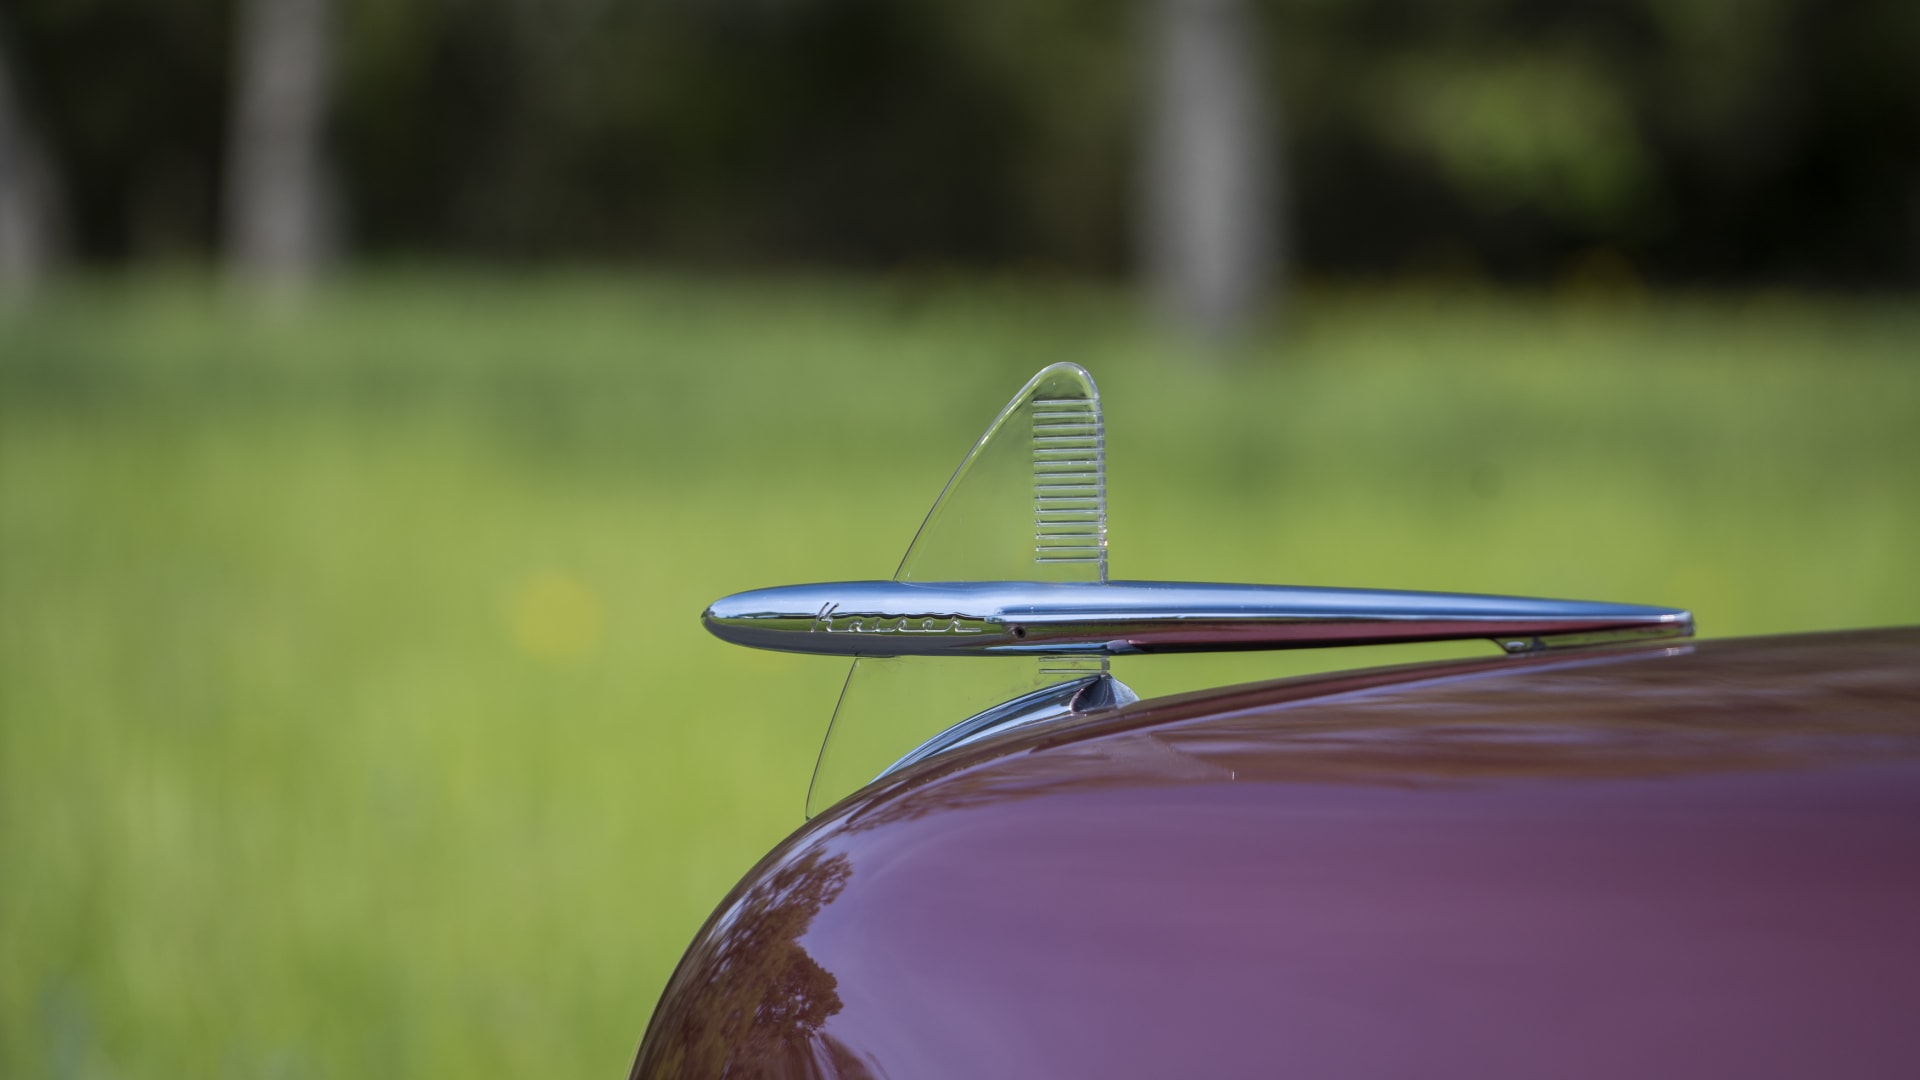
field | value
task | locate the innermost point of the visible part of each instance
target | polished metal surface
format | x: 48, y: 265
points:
x: 896, y: 618
x: 1082, y: 697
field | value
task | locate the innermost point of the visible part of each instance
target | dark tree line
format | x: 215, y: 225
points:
x: 1695, y: 140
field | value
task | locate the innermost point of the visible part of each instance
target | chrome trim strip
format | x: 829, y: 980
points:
x: 1076, y: 698
x: 896, y: 618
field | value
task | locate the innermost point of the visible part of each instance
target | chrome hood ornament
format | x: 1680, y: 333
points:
x: 1117, y: 618
x: 1011, y: 562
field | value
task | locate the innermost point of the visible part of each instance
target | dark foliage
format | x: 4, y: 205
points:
x: 1687, y: 140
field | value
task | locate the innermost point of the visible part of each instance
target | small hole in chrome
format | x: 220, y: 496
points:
x: 1019, y: 631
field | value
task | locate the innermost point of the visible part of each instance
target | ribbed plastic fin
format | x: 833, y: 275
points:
x: 1028, y: 503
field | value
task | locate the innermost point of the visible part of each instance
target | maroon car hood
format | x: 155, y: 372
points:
x: 1702, y: 859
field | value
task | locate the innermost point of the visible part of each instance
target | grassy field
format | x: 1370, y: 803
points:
x: 355, y: 719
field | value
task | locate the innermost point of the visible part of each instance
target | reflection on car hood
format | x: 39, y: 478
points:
x: 1697, y: 860
x: 1753, y: 703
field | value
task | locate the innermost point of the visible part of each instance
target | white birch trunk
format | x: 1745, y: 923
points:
x: 29, y: 197
x: 1208, y: 218
x: 278, y: 205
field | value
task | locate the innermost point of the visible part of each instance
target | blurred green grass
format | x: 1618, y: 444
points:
x: 354, y: 714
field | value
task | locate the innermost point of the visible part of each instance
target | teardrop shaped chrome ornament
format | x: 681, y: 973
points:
x: 1011, y: 562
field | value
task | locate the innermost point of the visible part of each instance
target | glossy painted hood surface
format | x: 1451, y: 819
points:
x: 1697, y: 859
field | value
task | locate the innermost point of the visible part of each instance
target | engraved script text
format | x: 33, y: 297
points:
x: 829, y: 620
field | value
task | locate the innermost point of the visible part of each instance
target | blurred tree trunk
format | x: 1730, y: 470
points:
x: 1208, y: 218
x: 29, y: 198
x: 278, y: 205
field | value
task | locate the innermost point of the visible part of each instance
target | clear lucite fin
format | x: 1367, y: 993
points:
x: 889, y: 705
x: 1028, y: 503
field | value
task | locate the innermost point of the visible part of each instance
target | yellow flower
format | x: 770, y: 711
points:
x: 555, y: 618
